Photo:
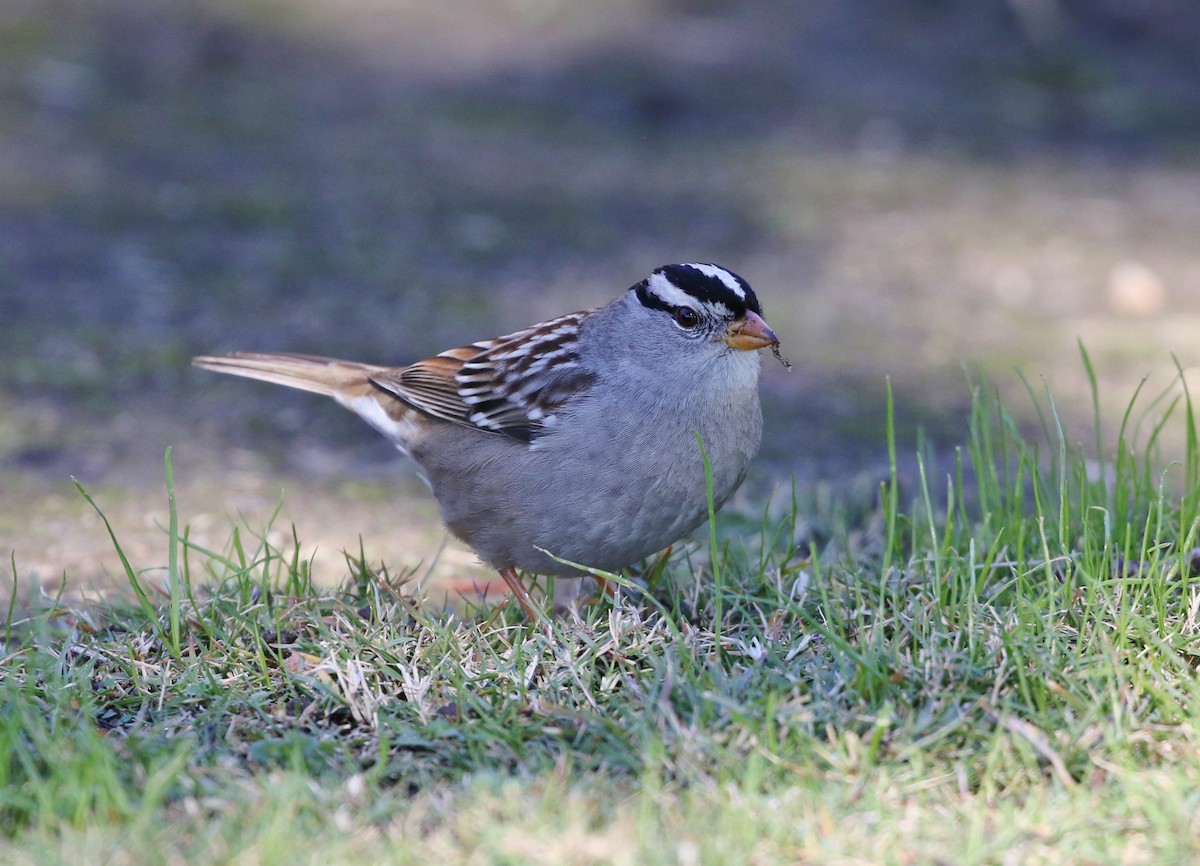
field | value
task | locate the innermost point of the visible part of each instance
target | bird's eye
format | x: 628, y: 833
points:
x: 686, y: 317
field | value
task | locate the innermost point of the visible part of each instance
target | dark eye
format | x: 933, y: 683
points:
x: 686, y: 317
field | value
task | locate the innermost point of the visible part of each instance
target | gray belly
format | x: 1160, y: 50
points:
x: 604, y: 502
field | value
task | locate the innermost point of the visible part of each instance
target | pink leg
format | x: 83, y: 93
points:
x: 521, y: 594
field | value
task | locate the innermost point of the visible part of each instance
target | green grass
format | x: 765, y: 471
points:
x: 994, y: 663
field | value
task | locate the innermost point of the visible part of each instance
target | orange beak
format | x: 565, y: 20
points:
x: 750, y: 332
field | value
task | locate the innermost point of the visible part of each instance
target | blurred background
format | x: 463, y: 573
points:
x: 915, y: 189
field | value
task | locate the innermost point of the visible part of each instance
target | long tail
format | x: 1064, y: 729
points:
x: 327, y: 376
x: 348, y: 382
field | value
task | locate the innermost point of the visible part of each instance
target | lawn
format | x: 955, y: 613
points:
x: 990, y: 663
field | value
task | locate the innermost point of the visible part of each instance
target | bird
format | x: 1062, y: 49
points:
x: 577, y: 443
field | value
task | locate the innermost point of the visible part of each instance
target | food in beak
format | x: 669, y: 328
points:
x: 750, y: 332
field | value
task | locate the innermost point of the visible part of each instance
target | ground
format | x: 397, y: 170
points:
x: 922, y: 194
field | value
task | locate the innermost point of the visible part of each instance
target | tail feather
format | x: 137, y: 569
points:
x: 327, y: 376
x: 347, y: 382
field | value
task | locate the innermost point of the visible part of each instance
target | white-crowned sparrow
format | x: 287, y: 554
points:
x: 576, y: 436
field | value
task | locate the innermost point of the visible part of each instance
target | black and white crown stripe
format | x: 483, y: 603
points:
x: 674, y: 286
x: 731, y: 280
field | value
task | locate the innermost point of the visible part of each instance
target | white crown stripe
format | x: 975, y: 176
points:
x: 669, y: 293
x: 728, y: 279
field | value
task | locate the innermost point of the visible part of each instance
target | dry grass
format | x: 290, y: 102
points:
x: 939, y: 682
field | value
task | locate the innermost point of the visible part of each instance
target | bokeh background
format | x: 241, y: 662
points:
x: 916, y: 189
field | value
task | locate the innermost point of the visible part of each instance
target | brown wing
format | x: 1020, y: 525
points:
x: 511, y: 385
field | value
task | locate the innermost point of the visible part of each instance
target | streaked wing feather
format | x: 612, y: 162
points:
x: 510, y: 385
x: 428, y: 386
